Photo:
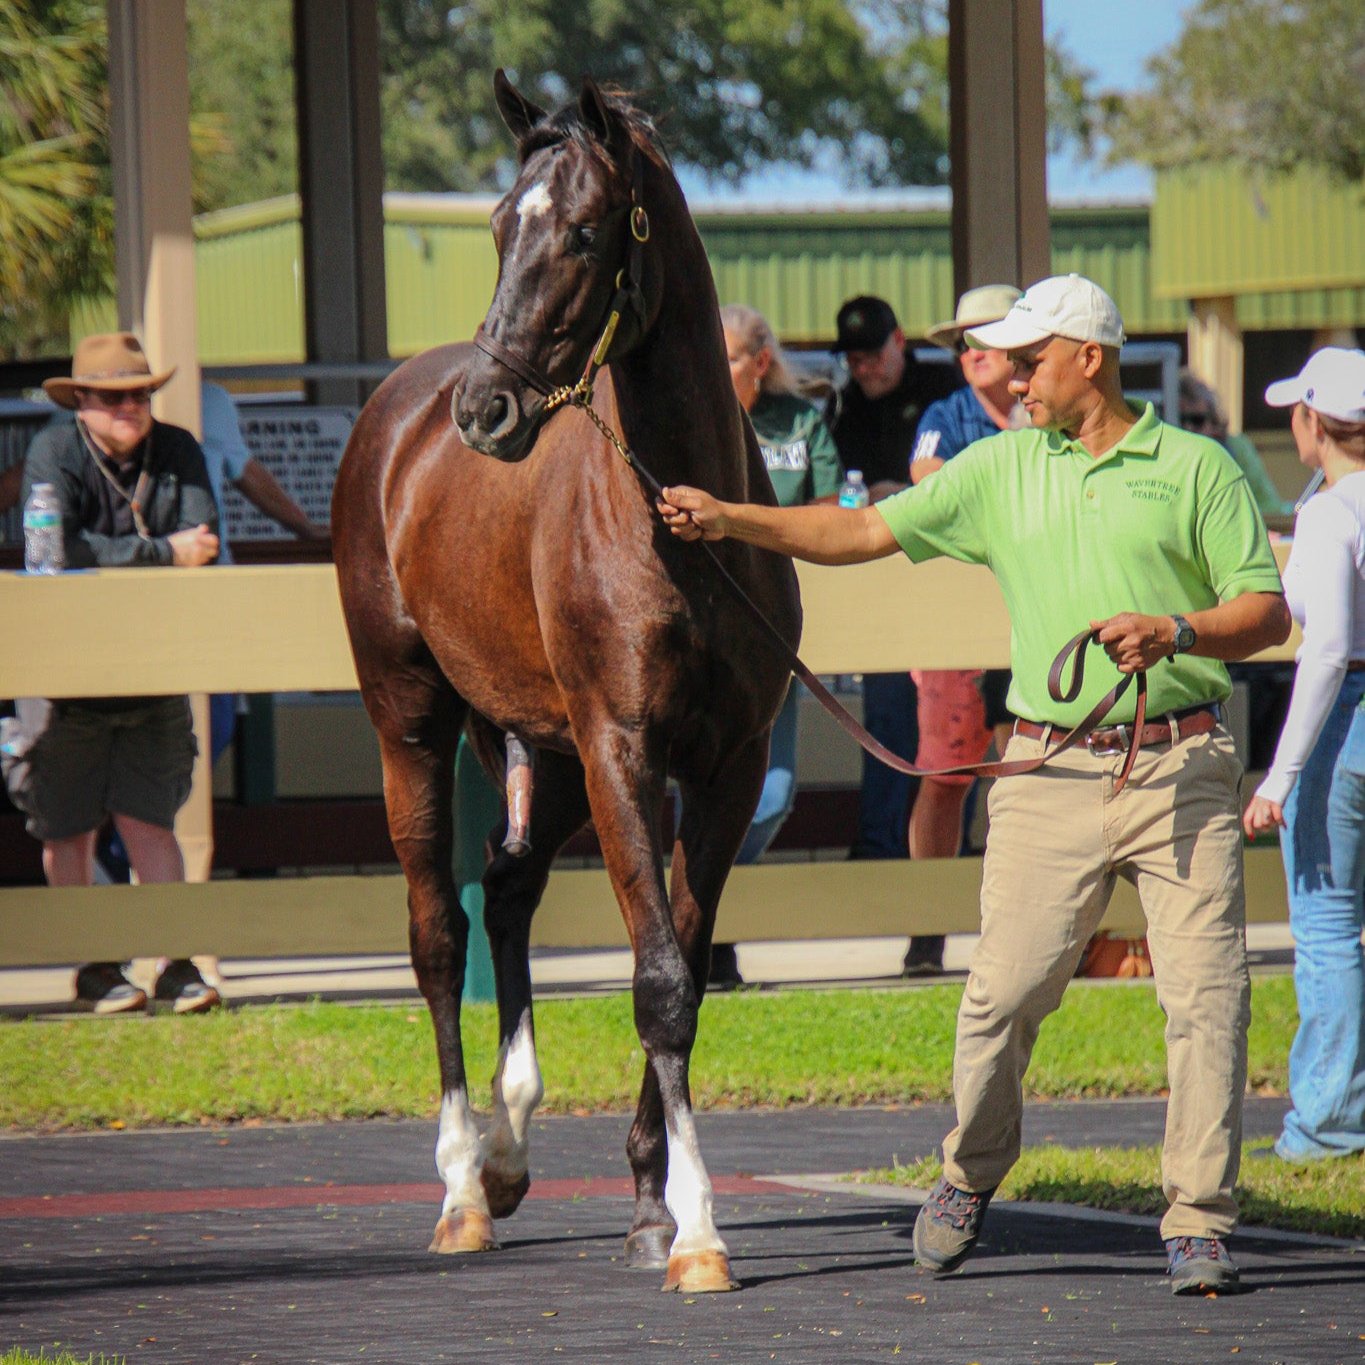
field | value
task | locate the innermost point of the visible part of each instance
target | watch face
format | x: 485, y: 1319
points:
x: 1184, y: 636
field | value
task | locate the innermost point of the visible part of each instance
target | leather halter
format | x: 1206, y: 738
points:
x: 628, y: 295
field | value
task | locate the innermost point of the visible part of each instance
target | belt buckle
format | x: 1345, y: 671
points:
x: 1112, y: 739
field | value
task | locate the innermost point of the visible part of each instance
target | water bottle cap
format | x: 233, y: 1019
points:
x: 43, y: 488
x: 855, y: 475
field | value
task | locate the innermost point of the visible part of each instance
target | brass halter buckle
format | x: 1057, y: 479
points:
x: 1112, y: 739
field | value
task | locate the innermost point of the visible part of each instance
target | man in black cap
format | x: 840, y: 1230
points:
x: 874, y: 420
x: 876, y: 416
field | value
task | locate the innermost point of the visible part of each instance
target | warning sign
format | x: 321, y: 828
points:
x: 301, y: 447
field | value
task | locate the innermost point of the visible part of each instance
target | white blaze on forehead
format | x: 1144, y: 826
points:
x: 535, y: 201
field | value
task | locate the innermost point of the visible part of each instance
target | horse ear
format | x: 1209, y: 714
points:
x: 599, y: 117
x: 518, y: 113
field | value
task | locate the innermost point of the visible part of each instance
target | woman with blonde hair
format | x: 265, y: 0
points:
x: 1315, y: 789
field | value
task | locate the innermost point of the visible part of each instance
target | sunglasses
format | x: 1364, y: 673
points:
x: 1193, y: 420
x: 106, y: 398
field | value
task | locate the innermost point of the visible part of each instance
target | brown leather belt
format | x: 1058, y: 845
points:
x: 1117, y: 739
x: 1355, y: 665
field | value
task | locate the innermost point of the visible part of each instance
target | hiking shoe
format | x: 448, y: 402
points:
x: 102, y: 988
x: 187, y: 991
x: 1200, y: 1265
x: 949, y: 1225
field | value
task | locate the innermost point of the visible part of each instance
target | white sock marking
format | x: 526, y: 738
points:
x: 517, y: 1090
x: 459, y: 1155
x: 687, y: 1192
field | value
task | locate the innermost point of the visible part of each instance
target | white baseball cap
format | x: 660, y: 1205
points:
x: 1061, y: 306
x: 1332, y: 382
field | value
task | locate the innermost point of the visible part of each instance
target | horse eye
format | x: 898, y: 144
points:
x: 580, y: 239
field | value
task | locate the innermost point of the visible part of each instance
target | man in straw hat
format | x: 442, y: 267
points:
x: 133, y: 491
x: 958, y: 708
x: 1106, y: 518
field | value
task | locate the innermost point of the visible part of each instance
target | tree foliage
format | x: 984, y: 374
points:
x: 733, y: 84
x: 56, y: 217
x: 1273, y: 84
x: 736, y: 85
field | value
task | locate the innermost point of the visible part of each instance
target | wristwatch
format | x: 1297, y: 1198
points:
x: 1184, y: 636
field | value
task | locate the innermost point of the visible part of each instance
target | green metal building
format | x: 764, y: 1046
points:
x: 1290, y: 254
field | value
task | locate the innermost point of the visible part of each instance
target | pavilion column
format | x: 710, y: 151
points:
x: 341, y: 185
x: 149, y: 109
x: 1217, y: 354
x: 997, y: 142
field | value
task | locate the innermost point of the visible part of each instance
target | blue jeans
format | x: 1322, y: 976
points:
x: 890, y: 714
x: 779, y: 786
x: 1323, y: 845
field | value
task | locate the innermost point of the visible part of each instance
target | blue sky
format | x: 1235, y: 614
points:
x: 1112, y: 38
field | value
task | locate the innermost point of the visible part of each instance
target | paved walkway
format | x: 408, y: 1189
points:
x: 306, y: 1243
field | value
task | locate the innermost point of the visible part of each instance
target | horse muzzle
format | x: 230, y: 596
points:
x: 494, y: 423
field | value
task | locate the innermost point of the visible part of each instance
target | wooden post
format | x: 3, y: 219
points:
x: 997, y: 143
x: 1217, y: 354
x: 149, y: 98
x: 341, y: 186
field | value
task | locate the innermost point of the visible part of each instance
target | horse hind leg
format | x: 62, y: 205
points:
x: 513, y: 885
x: 418, y: 717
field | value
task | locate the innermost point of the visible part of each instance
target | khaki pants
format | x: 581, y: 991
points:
x: 1058, y: 838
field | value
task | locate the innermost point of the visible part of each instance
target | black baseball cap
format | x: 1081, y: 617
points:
x: 864, y: 324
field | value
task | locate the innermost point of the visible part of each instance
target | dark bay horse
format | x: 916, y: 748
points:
x: 506, y: 572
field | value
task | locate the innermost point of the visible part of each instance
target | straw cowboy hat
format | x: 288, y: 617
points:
x: 111, y: 361
x: 975, y: 308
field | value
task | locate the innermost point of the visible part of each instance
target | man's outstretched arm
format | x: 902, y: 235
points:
x: 818, y: 532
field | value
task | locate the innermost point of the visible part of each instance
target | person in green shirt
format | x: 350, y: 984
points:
x: 803, y: 465
x: 1097, y: 516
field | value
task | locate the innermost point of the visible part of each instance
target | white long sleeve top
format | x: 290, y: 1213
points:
x: 1324, y: 584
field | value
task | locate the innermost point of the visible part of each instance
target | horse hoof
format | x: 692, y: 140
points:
x: 467, y: 1230
x: 504, y: 1195
x: 699, y: 1272
x: 647, y: 1247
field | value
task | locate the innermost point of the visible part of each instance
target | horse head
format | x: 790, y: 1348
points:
x: 572, y: 236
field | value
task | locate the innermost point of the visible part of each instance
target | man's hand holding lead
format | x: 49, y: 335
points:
x: 691, y: 514
x: 1135, y: 642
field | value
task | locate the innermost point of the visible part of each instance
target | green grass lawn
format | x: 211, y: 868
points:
x: 755, y: 1048
x: 20, y: 1357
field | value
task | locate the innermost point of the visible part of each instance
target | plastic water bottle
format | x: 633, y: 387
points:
x: 44, y: 548
x: 854, y: 492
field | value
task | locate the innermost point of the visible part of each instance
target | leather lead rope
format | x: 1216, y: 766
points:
x: 1072, y: 652
x: 628, y: 295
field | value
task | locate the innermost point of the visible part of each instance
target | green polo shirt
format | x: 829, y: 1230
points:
x: 1164, y: 522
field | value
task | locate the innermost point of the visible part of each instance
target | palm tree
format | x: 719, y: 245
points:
x: 56, y: 221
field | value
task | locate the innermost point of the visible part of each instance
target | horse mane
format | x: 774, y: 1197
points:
x: 567, y: 126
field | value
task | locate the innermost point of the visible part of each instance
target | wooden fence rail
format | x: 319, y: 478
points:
x: 278, y: 628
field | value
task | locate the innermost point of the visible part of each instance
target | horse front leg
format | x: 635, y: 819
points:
x: 712, y: 826
x: 418, y: 733
x: 625, y: 786
x: 513, y: 886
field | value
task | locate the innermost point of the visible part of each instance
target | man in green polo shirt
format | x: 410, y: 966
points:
x: 1099, y: 515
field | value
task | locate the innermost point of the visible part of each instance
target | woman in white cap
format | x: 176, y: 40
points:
x: 1315, y: 788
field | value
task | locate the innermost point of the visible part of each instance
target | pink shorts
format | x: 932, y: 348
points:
x: 952, y: 721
